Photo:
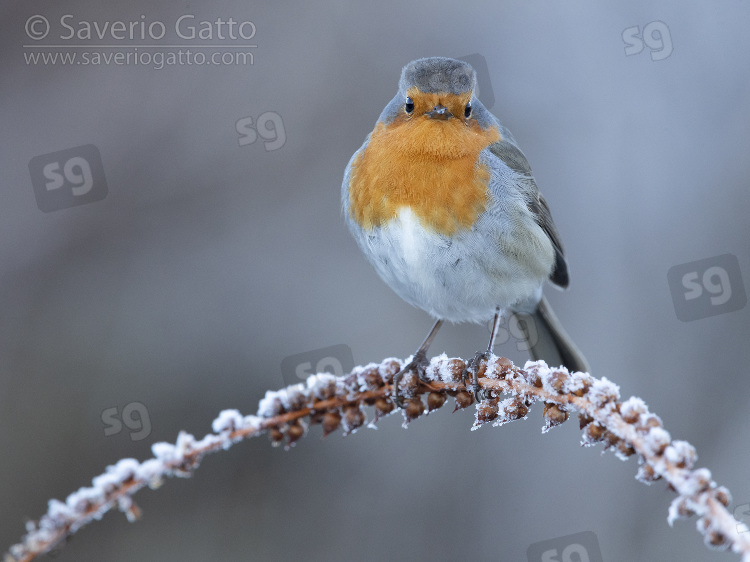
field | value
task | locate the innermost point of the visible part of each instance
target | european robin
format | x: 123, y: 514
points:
x: 443, y: 204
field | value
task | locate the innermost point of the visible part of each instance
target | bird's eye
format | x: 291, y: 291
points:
x: 409, y: 105
x: 467, y: 110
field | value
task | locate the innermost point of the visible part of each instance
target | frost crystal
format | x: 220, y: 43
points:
x: 228, y: 420
x: 656, y: 440
x: 604, y: 393
x: 632, y: 409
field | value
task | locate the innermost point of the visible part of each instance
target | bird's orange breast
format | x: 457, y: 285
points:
x: 426, y: 164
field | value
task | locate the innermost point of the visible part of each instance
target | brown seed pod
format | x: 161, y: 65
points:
x: 610, y: 439
x: 456, y: 368
x: 503, y: 366
x: 487, y: 410
x: 331, y: 422
x: 594, y: 432
x: 383, y: 406
x: 584, y: 420
x: 294, y: 432
x: 646, y: 422
x: 354, y: 417
x: 435, y: 400
x: 389, y: 368
x: 723, y: 496
x: 408, y: 385
x: 585, y: 385
x: 516, y: 410
x: 413, y: 408
x: 625, y: 449
x: 553, y: 415
x: 275, y: 434
x: 683, y: 510
x: 557, y: 380
x: 372, y: 378
x: 646, y: 473
x: 716, y: 539
x: 481, y: 369
x: 464, y: 399
x: 532, y: 377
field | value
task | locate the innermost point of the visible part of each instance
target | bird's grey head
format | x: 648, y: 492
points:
x: 438, y: 74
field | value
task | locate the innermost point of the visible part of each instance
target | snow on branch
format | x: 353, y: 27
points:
x: 625, y: 427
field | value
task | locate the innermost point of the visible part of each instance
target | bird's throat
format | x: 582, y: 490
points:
x: 430, y: 167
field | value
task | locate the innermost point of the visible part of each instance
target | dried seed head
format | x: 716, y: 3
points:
x: 295, y: 431
x: 594, y: 432
x: 516, y: 410
x: 464, y: 399
x: 723, y: 496
x: 700, y: 479
x: 585, y: 385
x: 679, y: 509
x: 646, y: 474
x: 435, y: 400
x: 503, y: 366
x: 553, y: 415
x: 681, y: 453
x: 610, y: 439
x: 487, y: 410
x: 625, y: 449
x: 584, y: 420
x: 276, y: 435
x: 372, y: 379
x: 331, y: 422
x: 716, y: 539
x: 413, y: 408
x: 389, y: 368
x: 455, y: 370
x: 482, y: 369
x: 557, y: 380
x: 354, y: 417
x: 632, y: 409
x: 408, y: 385
x: 532, y: 377
x: 657, y: 440
x: 647, y: 421
x: 383, y: 406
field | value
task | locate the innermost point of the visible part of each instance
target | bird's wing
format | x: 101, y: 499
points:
x: 512, y: 156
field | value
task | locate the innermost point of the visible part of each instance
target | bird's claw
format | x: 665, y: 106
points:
x: 473, y: 368
x: 419, y: 364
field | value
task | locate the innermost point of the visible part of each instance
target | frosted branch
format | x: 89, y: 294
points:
x: 625, y: 427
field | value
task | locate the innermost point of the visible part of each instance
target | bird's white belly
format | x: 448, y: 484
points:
x: 461, y: 278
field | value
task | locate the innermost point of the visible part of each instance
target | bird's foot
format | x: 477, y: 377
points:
x: 473, y: 368
x: 419, y: 365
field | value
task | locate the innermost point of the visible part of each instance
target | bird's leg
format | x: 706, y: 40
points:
x: 473, y: 366
x: 418, y: 363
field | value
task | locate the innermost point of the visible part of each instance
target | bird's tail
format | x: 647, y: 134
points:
x: 550, y: 342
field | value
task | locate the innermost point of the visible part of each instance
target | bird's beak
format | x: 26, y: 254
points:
x: 439, y: 112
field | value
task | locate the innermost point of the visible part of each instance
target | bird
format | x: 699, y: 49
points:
x: 443, y: 204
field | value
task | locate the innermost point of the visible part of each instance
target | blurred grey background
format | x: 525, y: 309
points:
x: 213, y: 255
